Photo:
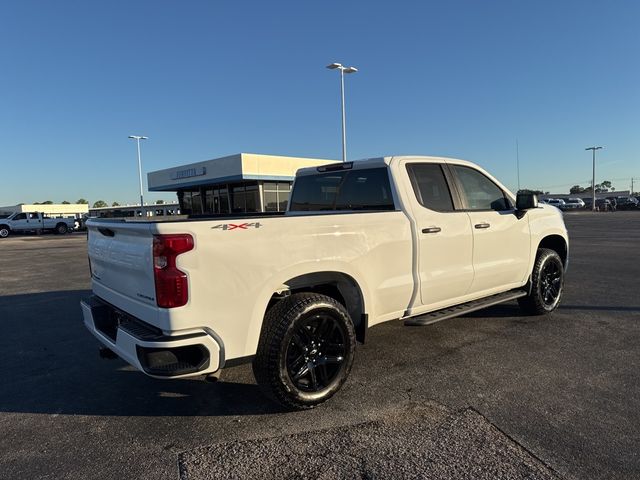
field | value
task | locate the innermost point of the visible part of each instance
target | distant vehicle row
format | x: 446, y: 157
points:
x: 36, y: 222
x: 602, y: 204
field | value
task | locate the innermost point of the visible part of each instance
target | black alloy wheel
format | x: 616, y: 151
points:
x: 547, y: 282
x: 305, y: 351
x: 316, y: 353
x: 551, y: 283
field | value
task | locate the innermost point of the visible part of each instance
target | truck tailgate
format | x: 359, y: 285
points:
x: 121, y: 258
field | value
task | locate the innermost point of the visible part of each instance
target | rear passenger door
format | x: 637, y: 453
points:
x: 501, y: 240
x: 35, y: 220
x: 444, y: 236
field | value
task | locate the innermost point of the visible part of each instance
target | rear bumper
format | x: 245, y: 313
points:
x: 183, y: 354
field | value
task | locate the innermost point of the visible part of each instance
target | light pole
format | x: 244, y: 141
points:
x: 137, y: 138
x: 593, y: 179
x: 343, y: 70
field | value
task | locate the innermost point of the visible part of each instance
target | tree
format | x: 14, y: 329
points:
x: 100, y: 204
x: 82, y: 201
x: 528, y: 190
x: 115, y: 204
x: 600, y: 188
x: 64, y: 202
x: 159, y: 202
x: 604, y: 186
x: 47, y: 202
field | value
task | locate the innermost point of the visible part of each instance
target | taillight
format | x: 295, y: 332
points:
x: 172, y: 289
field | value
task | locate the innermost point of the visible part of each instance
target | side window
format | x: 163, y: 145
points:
x: 481, y: 193
x: 20, y: 216
x: 33, y: 216
x: 430, y: 186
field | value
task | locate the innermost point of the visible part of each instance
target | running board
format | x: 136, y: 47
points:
x: 457, y: 310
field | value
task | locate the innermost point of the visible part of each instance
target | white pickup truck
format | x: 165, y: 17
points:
x: 36, y: 222
x: 418, y: 239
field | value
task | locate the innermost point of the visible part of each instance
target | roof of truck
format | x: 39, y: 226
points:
x: 388, y: 160
x: 378, y: 161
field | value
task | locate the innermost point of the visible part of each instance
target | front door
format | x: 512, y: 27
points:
x: 20, y: 222
x: 444, y: 235
x: 501, y: 240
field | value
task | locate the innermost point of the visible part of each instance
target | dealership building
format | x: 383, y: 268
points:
x: 54, y: 210
x: 241, y: 183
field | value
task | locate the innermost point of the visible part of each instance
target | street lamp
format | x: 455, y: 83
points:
x: 343, y: 70
x: 593, y: 179
x: 137, y: 138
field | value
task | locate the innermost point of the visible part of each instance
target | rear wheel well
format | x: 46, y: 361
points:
x: 336, y: 285
x: 557, y: 244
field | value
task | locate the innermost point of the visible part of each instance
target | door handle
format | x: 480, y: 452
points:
x: 482, y: 225
x: 431, y: 230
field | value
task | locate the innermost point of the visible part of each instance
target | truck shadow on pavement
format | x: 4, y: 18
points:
x: 51, y: 366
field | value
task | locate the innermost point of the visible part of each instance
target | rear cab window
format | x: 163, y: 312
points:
x: 366, y: 189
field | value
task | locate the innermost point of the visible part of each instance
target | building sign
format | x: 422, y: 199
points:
x: 188, y: 173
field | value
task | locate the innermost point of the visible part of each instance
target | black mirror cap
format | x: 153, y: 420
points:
x: 526, y: 201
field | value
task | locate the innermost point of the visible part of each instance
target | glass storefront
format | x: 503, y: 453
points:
x: 276, y: 196
x: 234, y: 198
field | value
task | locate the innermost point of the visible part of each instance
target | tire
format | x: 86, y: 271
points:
x: 306, y: 350
x: 547, y: 284
x: 61, y: 229
x: 4, y: 231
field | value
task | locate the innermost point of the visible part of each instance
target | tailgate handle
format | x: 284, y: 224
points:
x: 107, y: 232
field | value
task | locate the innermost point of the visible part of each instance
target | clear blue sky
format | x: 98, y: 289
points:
x: 209, y: 78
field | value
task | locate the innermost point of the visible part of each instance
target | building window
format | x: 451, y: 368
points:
x: 245, y: 198
x: 196, y: 202
x: 184, y: 198
x: 216, y: 200
x: 276, y: 196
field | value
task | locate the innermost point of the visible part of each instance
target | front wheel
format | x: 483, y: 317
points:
x: 547, y: 284
x: 4, y: 231
x: 306, y: 350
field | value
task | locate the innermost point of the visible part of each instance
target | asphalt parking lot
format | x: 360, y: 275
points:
x: 493, y: 394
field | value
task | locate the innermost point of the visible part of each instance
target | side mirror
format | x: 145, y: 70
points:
x: 526, y: 201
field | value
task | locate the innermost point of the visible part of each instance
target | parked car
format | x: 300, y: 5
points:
x: 557, y: 202
x: 613, y: 203
x: 361, y: 243
x: 627, y: 203
x: 573, y: 203
x: 602, y: 204
x: 34, y: 221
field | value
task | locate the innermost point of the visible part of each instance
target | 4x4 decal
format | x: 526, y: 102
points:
x: 240, y: 226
